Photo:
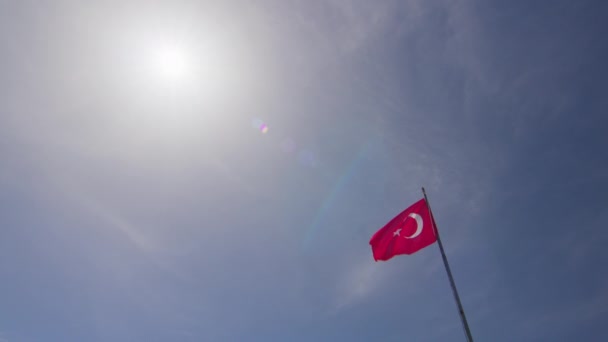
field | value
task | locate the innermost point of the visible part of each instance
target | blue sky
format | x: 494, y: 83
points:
x: 142, y: 203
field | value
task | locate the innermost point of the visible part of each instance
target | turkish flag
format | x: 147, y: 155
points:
x: 407, y: 233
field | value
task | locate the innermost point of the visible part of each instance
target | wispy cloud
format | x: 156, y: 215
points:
x: 357, y: 283
x: 355, y: 27
x: 366, y: 278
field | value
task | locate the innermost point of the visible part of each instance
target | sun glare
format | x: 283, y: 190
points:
x: 185, y: 72
x: 171, y: 63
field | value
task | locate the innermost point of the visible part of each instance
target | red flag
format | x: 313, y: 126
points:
x: 407, y: 233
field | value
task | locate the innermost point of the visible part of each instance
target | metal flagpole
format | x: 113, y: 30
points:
x: 463, y: 318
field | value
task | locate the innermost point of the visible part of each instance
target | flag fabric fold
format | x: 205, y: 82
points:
x: 407, y: 233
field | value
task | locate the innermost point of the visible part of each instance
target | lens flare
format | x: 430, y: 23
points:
x: 259, y: 125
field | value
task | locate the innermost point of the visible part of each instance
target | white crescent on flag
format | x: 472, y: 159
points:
x: 419, y: 225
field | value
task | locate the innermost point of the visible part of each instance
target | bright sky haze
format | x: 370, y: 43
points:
x: 214, y: 170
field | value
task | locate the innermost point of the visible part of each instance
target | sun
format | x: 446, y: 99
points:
x: 170, y: 62
x: 187, y: 70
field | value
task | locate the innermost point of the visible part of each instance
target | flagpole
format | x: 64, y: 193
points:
x: 463, y: 318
